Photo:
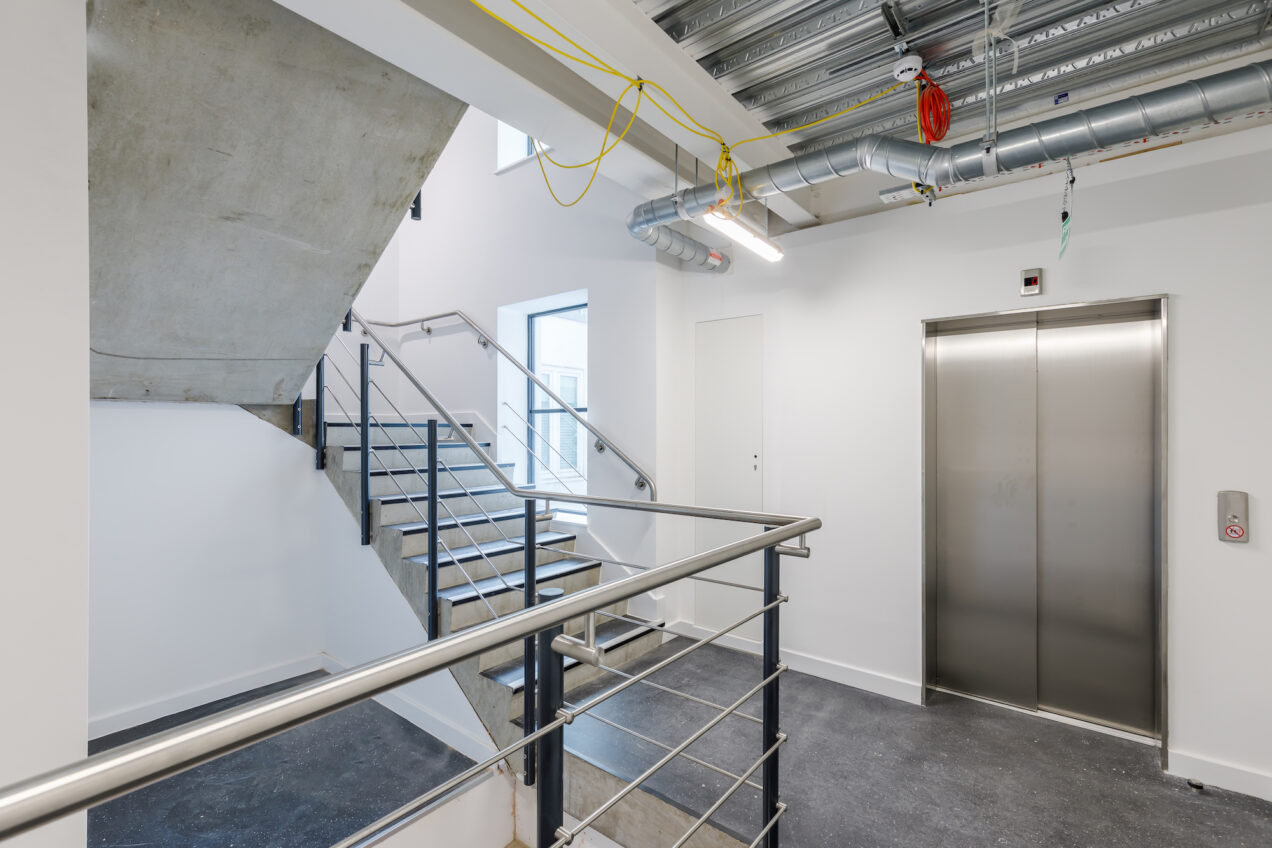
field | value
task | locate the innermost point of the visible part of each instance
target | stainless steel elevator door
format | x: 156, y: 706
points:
x: 986, y: 513
x: 1096, y: 521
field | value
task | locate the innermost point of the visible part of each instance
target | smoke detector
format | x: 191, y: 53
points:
x: 909, y: 66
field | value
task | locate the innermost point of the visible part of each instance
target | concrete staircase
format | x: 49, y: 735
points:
x: 480, y: 568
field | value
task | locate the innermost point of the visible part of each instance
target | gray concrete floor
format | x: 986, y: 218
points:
x: 307, y: 788
x: 865, y: 771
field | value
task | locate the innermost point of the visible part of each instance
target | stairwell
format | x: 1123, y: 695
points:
x: 481, y: 568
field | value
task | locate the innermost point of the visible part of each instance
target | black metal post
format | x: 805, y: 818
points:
x: 433, y: 546
x: 528, y: 675
x: 416, y: 206
x: 770, y: 714
x: 320, y: 428
x: 551, y: 753
x: 364, y: 397
x: 298, y: 424
x: 347, y: 324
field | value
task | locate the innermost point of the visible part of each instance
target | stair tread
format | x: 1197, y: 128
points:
x: 415, y: 424
x: 491, y: 586
x: 483, y: 489
x: 412, y: 446
x: 611, y: 633
x: 423, y: 470
x: 449, y: 523
x: 495, y: 547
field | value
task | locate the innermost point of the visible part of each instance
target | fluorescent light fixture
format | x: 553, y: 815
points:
x: 743, y: 236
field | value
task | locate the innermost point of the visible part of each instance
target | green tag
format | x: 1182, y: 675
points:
x: 1064, y: 235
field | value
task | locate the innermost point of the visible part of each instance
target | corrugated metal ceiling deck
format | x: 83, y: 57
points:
x: 790, y: 62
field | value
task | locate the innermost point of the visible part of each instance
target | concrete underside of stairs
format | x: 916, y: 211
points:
x: 247, y: 169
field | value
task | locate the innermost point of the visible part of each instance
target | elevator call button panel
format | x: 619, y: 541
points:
x: 1030, y: 281
x: 1234, y: 517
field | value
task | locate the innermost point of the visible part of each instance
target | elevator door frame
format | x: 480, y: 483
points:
x: 1152, y: 307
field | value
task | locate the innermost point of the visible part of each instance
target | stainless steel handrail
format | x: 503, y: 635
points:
x: 101, y: 777
x: 643, y: 477
x: 770, y: 519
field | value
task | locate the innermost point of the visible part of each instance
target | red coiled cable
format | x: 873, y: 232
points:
x: 934, y: 111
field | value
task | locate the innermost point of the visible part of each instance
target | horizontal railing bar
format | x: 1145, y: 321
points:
x: 697, y: 577
x: 409, y: 809
x: 642, y: 737
x: 107, y: 775
x: 706, y: 640
x: 530, y: 375
x: 545, y: 440
x: 742, y: 780
x: 676, y: 692
x: 781, y: 808
x: 543, y: 462
x: 571, y: 833
x: 554, y: 411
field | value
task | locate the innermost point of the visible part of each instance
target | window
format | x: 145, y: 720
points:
x: 557, y: 355
x: 513, y: 146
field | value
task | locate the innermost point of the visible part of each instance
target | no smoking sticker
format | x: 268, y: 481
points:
x: 1234, y: 531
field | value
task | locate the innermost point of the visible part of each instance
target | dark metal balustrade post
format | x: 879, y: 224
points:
x: 364, y: 397
x: 528, y: 675
x: 770, y: 712
x: 434, y: 625
x: 347, y: 326
x: 298, y: 424
x: 320, y: 427
x: 551, y: 753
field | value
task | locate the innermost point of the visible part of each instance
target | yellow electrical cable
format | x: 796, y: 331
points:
x: 596, y: 168
x: 607, y: 150
x: 726, y: 170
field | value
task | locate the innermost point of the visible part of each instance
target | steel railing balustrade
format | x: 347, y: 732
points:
x: 110, y: 774
x: 643, y: 478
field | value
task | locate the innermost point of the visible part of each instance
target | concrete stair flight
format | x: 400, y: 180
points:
x: 480, y: 575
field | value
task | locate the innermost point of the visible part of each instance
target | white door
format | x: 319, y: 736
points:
x: 729, y: 464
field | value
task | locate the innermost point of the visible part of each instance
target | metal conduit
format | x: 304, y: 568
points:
x: 1201, y: 101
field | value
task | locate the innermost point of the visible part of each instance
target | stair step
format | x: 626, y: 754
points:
x: 404, y: 456
x: 410, y: 484
x: 348, y: 433
x: 415, y: 497
x: 611, y: 634
x: 493, y: 586
x: 465, y: 605
x: 501, y: 547
x: 445, y: 522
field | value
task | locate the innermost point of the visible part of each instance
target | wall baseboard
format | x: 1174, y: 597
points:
x: 432, y: 723
x: 836, y: 672
x: 141, y: 713
x: 1229, y: 776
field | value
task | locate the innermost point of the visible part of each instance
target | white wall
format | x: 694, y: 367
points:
x: 44, y: 363
x: 207, y: 546
x: 222, y: 560
x: 843, y: 386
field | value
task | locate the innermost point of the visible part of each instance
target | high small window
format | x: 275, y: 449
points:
x: 513, y: 146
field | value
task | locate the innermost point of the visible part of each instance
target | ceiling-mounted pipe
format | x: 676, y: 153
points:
x: 1202, y: 101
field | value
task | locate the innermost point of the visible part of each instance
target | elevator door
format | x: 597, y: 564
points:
x: 1045, y: 440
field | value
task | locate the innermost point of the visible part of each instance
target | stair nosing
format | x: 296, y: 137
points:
x: 491, y: 549
x: 411, y: 528
x: 631, y: 634
x: 555, y: 570
x: 411, y: 446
